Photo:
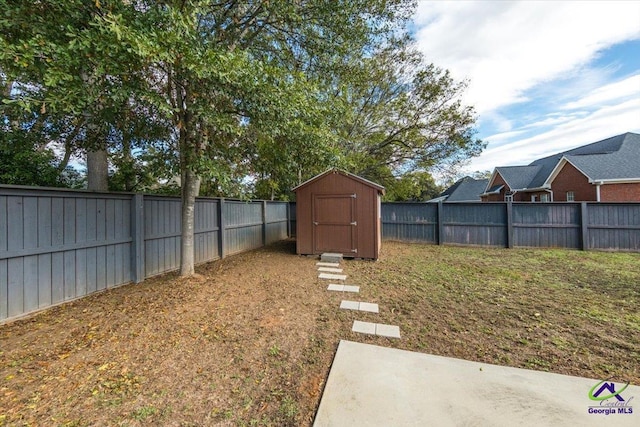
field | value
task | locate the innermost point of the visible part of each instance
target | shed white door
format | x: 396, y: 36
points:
x: 334, y: 223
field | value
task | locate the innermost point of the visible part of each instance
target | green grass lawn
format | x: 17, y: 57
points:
x: 564, y: 311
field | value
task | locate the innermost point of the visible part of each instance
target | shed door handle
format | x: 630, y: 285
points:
x: 354, y: 223
x: 315, y: 223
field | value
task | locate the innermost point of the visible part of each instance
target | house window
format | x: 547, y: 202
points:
x: 533, y: 197
x: 544, y: 197
x: 571, y: 197
x: 508, y: 198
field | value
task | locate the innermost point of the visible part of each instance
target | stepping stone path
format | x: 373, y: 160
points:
x: 359, y: 306
x: 343, y: 288
x: 328, y: 264
x: 332, y: 276
x: 379, y: 329
x: 328, y: 267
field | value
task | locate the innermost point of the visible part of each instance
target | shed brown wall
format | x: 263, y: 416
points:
x: 368, y: 229
x: 571, y: 179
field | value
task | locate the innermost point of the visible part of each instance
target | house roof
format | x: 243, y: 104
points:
x: 466, y: 189
x: 622, y: 163
x: 344, y: 173
x: 615, y: 158
x: 495, y: 189
x: 518, y: 177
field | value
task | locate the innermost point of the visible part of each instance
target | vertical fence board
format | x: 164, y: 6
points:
x: 92, y: 270
x: 57, y: 277
x: 4, y: 290
x: 30, y: 263
x: 69, y: 275
x: 15, y: 226
x: 15, y: 287
x: 101, y: 268
x: 44, y: 260
x: 44, y: 280
x: 30, y: 280
x: 3, y: 224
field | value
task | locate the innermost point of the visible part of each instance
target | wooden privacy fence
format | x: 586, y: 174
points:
x: 598, y: 226
x: 58, y: 245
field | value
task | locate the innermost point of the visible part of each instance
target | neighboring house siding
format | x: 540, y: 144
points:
x: 620, y: 192
x: 497, y: 197
x: 571, y: 179
x: 538, y: 195
x: 521, y: 197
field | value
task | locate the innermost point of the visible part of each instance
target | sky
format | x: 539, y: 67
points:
x: 544, y: 76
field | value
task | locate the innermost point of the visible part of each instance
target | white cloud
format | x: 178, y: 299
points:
x: 505, y: 48
x: 620, y: 90
x: 603, y: 123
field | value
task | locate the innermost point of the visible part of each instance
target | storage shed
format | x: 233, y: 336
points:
x: 338, y: 212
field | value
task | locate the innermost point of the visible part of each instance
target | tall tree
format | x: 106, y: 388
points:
x: 405, y: 116
x: 224, y: 71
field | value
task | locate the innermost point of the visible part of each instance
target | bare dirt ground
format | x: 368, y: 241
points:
x: 251, y: 339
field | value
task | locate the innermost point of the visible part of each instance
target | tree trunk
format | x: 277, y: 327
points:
x: 190, y: 187
x: 97, y: 170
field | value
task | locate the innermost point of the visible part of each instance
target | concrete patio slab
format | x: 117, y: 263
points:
x: 328, y: 264
x: 330, y: 269
x: 331, y: 276
x: 334, y: 287
x: 351, y: 288
x: 375, y: 386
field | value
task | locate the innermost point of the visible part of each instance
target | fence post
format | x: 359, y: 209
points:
x: 584, y: 225
x: 137, y: 238
x: 440, y: 224
x: 221, y: 227
x: 509, y: 207
x: 264, y: 223
x: 288, y: 220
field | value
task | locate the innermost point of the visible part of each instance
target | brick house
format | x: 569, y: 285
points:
x: 605, y: 171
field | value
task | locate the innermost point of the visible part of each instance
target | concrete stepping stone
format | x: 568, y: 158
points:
x: 328, y: 264
x: 360, y: 306
x: 330, y: 257
x: 390, y: 331
x: 332, y: 276
x: 379, y: 329
x: 330, y: 269
x: 343, y: 288
x: 364, y: 327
